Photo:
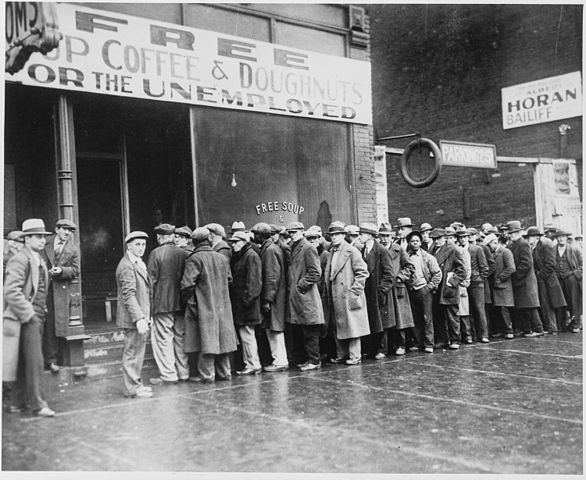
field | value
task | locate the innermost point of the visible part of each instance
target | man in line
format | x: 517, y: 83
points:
x: 165, y: 267
x: 524, y: 282
x: 209, y: 325
x: 182, y: 238
x: 405, y: 227
x: 245, y: 298
x: 305, y: 305
x: 345, y: 275
x: 25, y: 293
x: 217, y: 235
x: 427, y: 242
x: 133, y: 313
x: 569, y: 271
x: 385, y: 234
x: 14, y: 242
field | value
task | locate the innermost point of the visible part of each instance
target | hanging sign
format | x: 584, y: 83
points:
x: 115, y: 54
x: 465, y: 154
x: 546, y: 100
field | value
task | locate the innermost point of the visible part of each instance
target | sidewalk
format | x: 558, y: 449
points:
x: 511, y: 406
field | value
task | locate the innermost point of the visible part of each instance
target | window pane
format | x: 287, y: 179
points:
x: 309, y: 39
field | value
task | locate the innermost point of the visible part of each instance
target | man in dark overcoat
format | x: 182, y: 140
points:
x: 165, y: 266
x: 209, y: 325
x: 217, y: 235
x: 524, y: 282
x: 446, y: 299
x: 273, y: 294
x: 569, y: 271
x: 305, y: 307
x: 245, y: 293
x: 134, y: 312
x: 25, y: 292
x: 551, y: 296
x: 62, y: 256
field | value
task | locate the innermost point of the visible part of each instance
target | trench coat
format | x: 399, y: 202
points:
x: 491, y: 267
x: 399, y: 305
x: 378, y: 286
x: 464, y: 301
x: 246, y: 286
x: 209, y: 325
x: 501, y: 285
x: 274, y: 285
x: 548, y: 284
x: 344, y: 290
x: 524, y: 279
x: 59, y: 296
x: 165, y: 267
x: 451, y: 262
x: 305, y: 307
x: 135, y: 293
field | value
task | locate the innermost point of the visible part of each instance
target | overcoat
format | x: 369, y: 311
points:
x: 344, y: 289
x: 491, y: 267
x: 451, y: 263
x: 246, y: 286
x: 501, y: 285
x: 165, y: 267
x: 223, y: 248
x: 524, y: 279
x: 399, y: 306
x: 135, y: 293
x: 209, y: 325
x: 59, y: 296
x: 378, y: 287
x: 548, y: 284
x: 464, y: 301
x: 305, y: 306
x: 274, y: 285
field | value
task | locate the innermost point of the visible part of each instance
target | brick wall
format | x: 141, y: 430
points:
x: 439, y: 70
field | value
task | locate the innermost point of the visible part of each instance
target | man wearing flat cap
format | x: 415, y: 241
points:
x: 568, y: 267
x: 217, y: 235
x: 182, y: 238
x: 551, y: 296
x: 25, y: 293
x: 62, y: 256
x: 524, y: 282
x: 14, y: 242
x: 165, y: 266
x: 134, y: 313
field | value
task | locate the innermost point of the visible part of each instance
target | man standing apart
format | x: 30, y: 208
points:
x: 305, y: 307
x: 345, y: 275
x: 133, y: 313
x: 569, y: 271
x: 25, y: 293
x: 165, y: 267
x: 63, y: 256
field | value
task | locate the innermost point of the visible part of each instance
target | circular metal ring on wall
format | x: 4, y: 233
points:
x: 437, y: 165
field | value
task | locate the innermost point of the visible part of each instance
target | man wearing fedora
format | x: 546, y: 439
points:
x: 134, y: 313
x: 551, y: 296
x: 165, y: 266
x: 62, y: 256
x: 344, y: 299
x: 404, y: 228
x: 524, y: 282
x: 568, y: 267
x: 427, y: 242
x: 25, y: 295
x: 385, y: 234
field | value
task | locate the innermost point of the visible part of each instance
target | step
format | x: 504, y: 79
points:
x: 107, y: 346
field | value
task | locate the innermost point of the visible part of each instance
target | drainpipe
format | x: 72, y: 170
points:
x: 563, y: 129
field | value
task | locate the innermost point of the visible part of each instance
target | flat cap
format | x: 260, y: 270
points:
x: 489, y: 239
x: 16, y: 236
x: 260, y: 228
x: 313, y: 232
x: 462, y: 232
x: 367, y: 227
x: 199, y: 234
x: 238, y: 226
x: 472, y: 231
x: 216, y: 228
x: 352, y: 229
x: 239, y: 235
x: 65, y: 223
x: 450, y: 231
x: 184, y: 231
x: 437, y: 233
x: 275, y: 228
x: 135, y: 236
x: 295, y: 227
x: 425, y: 227
x: 165, y: 229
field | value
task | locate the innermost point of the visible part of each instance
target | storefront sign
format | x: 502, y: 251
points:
x: 115, y: 54
x: 276, y: 206
x: 546, y: 100
x: 464, y: 154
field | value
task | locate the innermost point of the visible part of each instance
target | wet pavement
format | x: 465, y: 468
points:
x: 511, y: 406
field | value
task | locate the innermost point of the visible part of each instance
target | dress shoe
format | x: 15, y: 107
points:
x: 454, y: 346
x: 199, y: 379
x: 310, y: 366
x: 276, y: 368
x: 337, y: 360
x: 45, y: 412
x: 161, y: 381
x: 352, y: 361
x: 380, y: 356
x: 301, y: 365
x: 54, y: 367
x: 428, y: 350
x: 249, y: 371
x: 484, y: 340
x: 509, y: 336
x: 400, y: 351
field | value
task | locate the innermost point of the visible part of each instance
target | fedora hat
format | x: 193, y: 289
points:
x: 514, y: 226
x: 489, y: 239
x: 65, y: 223
x: 238, y: 227
x: 462, y: 232
x: 368, y: 227
x: 450, y: 231
x: 34, y: 226
x: 239, y: 236
x: 135, y: 235
x: 414, y: 233
x: 385, y: 228
x: 404, y: 222
x: 336, y: 227
x: 533, y: 232
x: 165, y: 229
x: 313, y: 232
x: 425, y: 227
x: 560, y: 232
x: 352, y: 229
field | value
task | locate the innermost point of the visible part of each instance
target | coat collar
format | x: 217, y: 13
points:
x: 344, y: 254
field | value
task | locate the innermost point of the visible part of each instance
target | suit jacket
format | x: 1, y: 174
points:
x: 547, y: 281
x: 62, y: 294
x: 135, y: 293
x: 165, y: 267
x: 21, y: 285
x: 524, y: 279
x: 451, y: 262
